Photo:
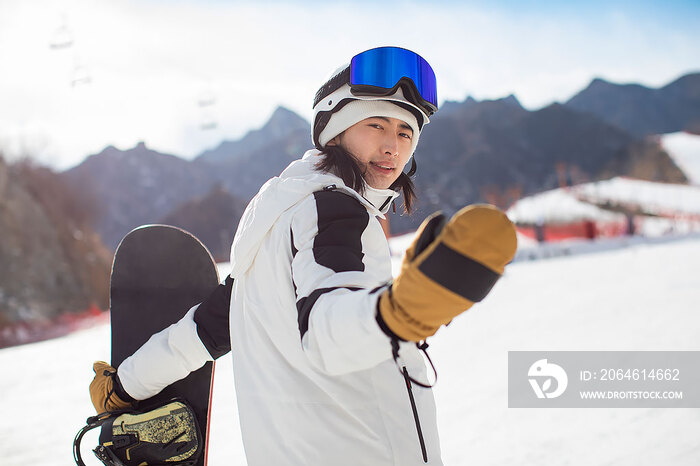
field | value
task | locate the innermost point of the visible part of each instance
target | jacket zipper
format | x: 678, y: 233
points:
x: 409, y: 388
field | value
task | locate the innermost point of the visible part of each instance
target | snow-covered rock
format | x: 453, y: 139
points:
x: 684, y: 149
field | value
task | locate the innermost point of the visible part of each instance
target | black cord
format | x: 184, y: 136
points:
x: 112, y: 375
x: 421, y: 346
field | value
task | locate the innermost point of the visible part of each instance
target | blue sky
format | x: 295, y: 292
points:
x: 150, y: 62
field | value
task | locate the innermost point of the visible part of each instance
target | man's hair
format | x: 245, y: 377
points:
x: 342, y: 163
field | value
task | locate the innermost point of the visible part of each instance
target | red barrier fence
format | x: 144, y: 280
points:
x: 583, y: 229
x: 32, y: 331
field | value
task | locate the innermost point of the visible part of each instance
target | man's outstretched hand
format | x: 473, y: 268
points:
x: 450, y: 266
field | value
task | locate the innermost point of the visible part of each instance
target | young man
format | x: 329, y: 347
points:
x: 324, y: 343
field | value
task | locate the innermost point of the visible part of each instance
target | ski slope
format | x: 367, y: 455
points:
x: 628, y: 296
x: 684, y: 149
x: 571, y: 204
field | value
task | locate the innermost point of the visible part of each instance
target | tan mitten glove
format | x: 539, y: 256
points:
x: 447, y: 269
x: 106, y: 392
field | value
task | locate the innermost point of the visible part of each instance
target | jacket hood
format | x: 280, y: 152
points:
x: 283, y: 192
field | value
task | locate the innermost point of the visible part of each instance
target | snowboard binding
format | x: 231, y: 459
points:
x: 167, y: 434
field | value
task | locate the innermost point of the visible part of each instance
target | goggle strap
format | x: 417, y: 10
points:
x: 322, y: 119
x: 342, y: 78
x: 332, y: 85
x: 414, y: 166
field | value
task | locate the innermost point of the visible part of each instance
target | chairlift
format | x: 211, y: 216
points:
x: 81, y: 75
x: 208, y: 125
x: 206, y: 102
x: 62, y: 38
x: 206, y: 99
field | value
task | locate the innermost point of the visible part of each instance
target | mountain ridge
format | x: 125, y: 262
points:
x: 643, y: 110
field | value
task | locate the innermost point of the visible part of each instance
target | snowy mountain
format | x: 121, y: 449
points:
x: 136, y: 186
x: 615, y: 300
x: 684, y: 149
x: 281, y: 124
x: 243, y: 166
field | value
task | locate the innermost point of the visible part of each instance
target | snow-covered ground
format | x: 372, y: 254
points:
x: 558, y: 206
x: 656, y: 198
x: 684, y: 149
x: 562, y: 205
x: 636, y: 295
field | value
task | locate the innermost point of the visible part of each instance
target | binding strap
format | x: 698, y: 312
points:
x: 92, y: 423
x: 165, y: 433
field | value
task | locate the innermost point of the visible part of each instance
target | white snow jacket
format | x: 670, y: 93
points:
x: 316, y: 383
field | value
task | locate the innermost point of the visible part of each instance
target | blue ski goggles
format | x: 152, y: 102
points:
x: 381, y: 71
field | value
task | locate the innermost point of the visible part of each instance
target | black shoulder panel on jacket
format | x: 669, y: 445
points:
x: 212, y: 319
x: 341, y: 221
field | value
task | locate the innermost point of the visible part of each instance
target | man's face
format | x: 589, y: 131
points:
x: 381, y: 145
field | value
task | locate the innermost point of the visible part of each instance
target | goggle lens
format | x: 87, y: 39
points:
x: 384, y: 67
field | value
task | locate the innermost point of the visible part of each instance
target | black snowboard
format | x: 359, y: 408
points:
x: 159, y: 273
